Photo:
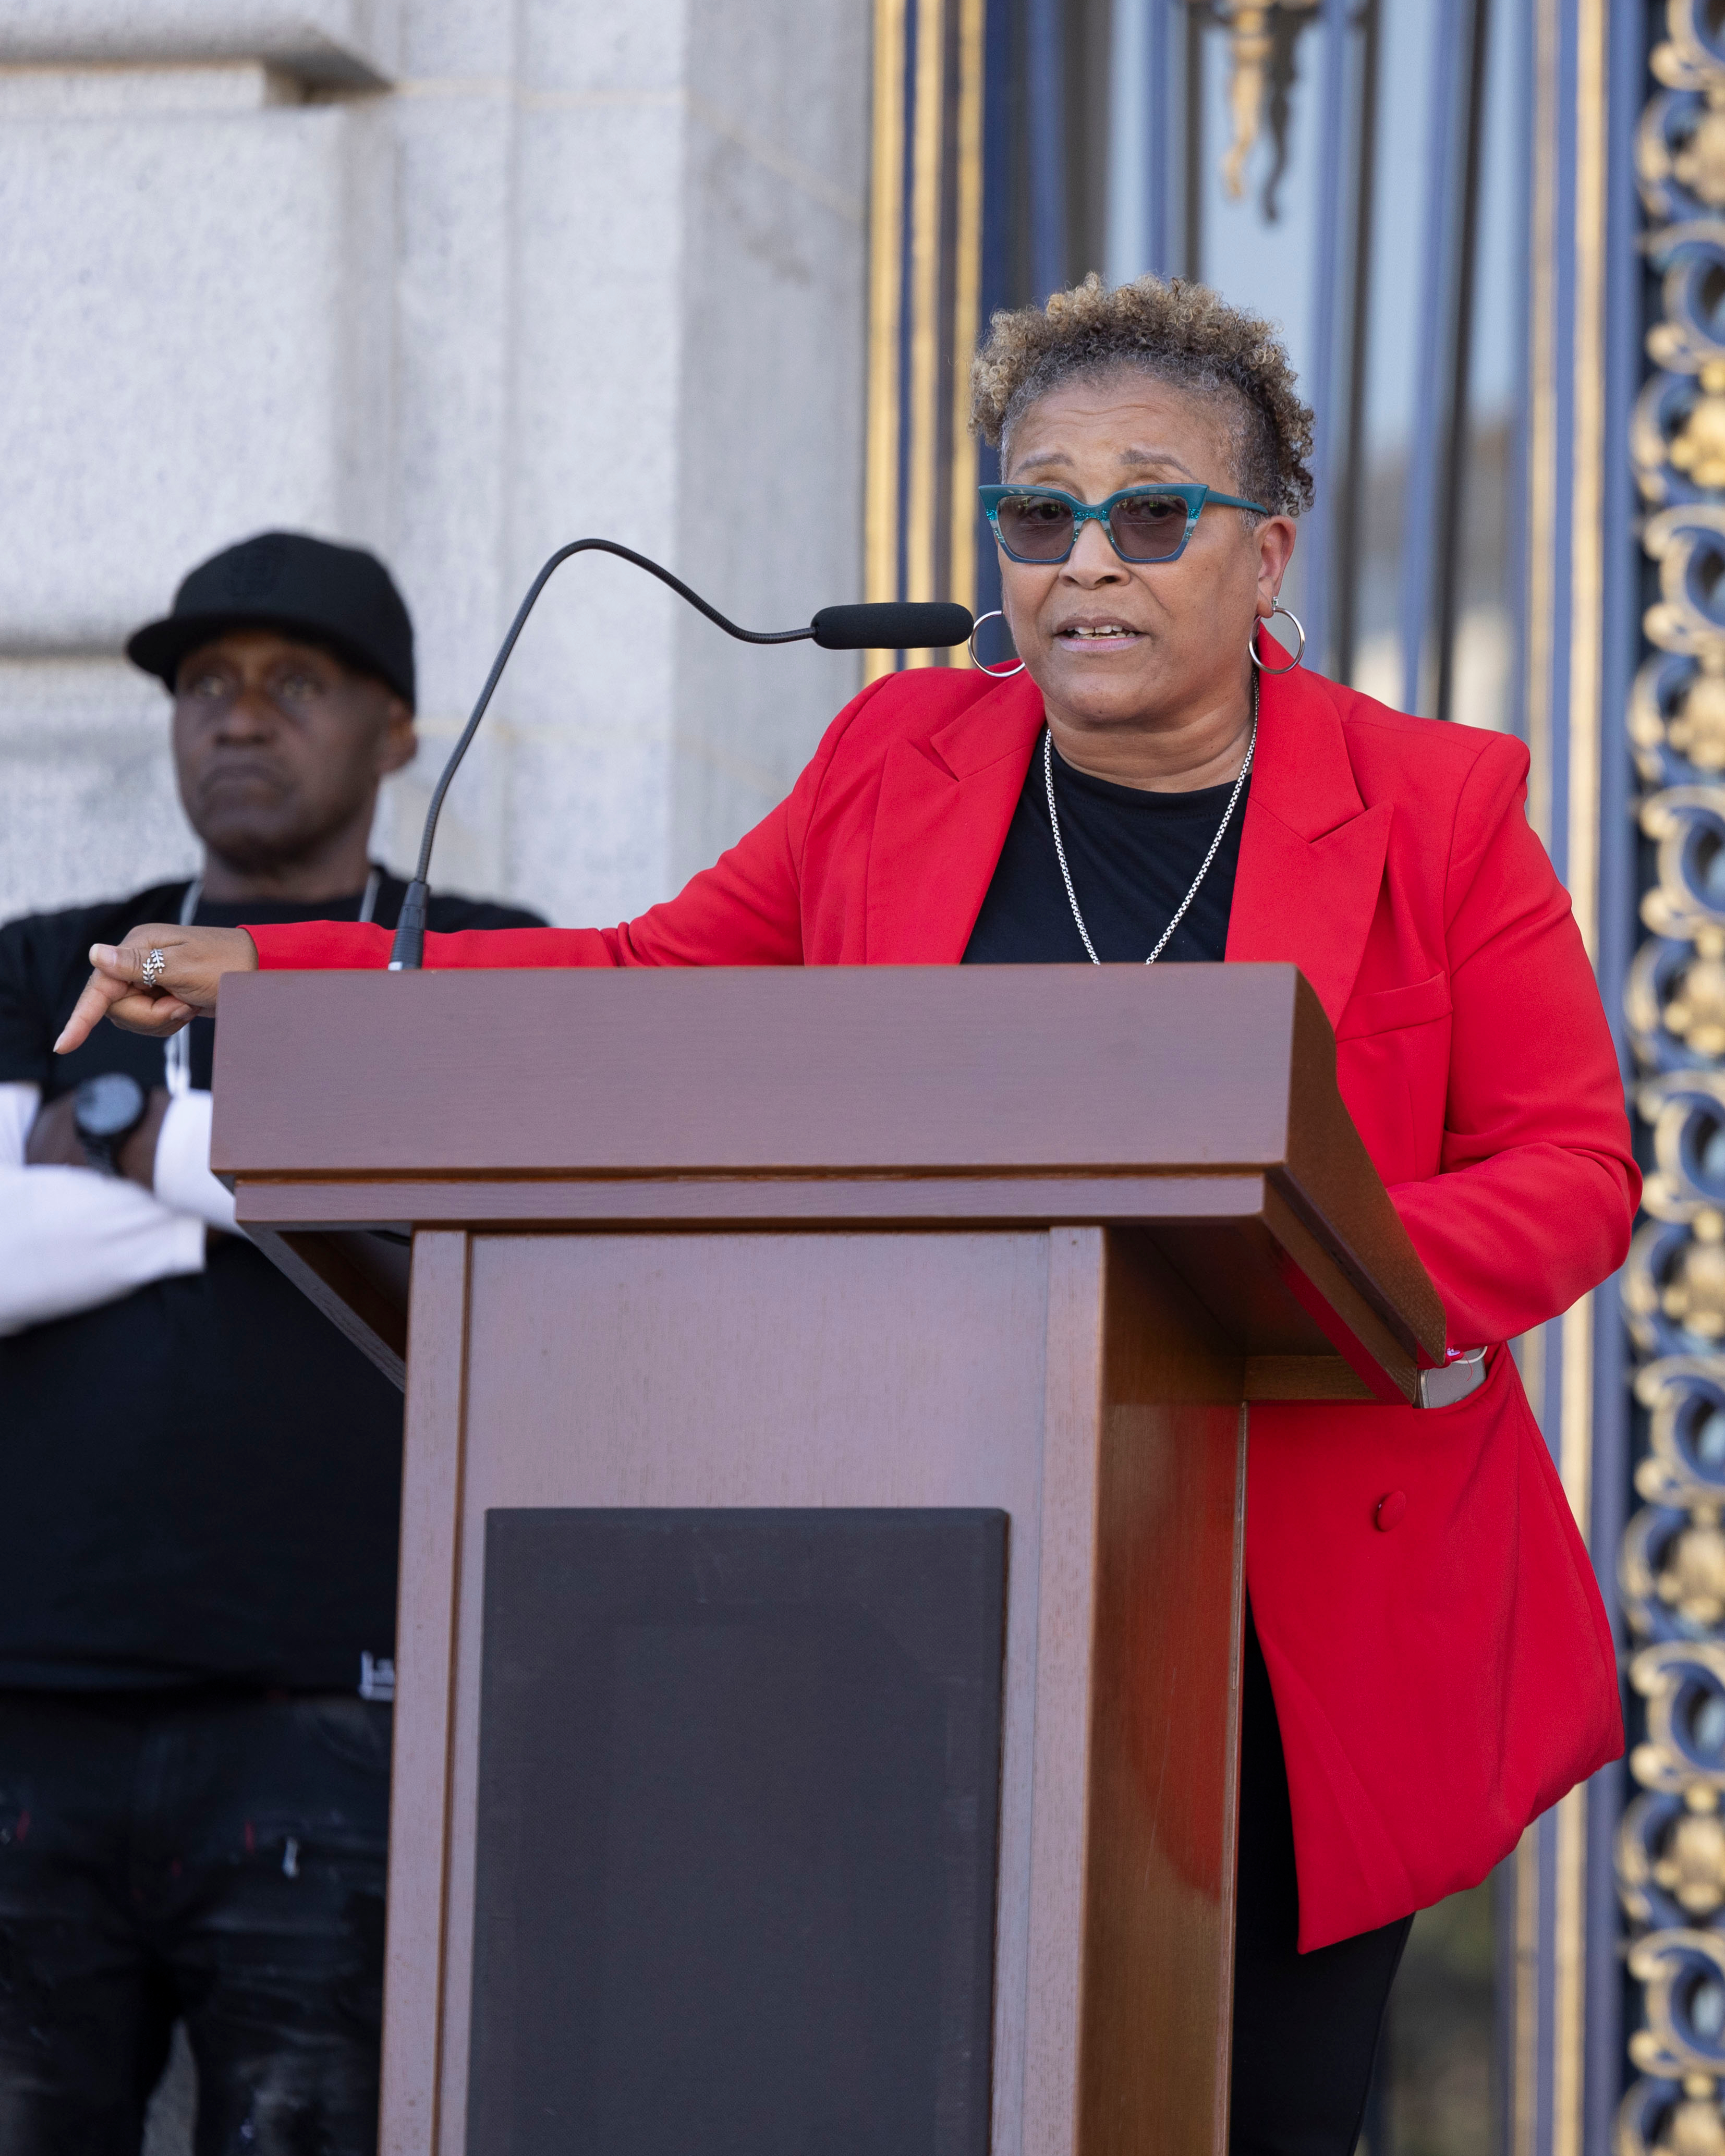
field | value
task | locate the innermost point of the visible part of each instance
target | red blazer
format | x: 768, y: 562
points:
x: 1439, y: 1685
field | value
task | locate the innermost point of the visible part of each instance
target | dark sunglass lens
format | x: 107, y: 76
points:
x: 1035, y: 527
x: 1147, y: 527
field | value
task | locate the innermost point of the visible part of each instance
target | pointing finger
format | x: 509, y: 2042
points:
x: 157, y: 980
x: 101, y: 993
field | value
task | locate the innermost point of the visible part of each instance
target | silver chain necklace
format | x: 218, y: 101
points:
x: 1054, y: 818
x: 177, y: 1055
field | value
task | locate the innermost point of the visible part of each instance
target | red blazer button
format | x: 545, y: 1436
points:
x: 1390, y: 1510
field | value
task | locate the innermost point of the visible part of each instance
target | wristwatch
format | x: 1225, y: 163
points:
x: 107, y: 1109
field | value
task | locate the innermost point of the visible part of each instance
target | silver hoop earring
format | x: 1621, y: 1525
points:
x: 998, y: 673
x: 1276, y: 608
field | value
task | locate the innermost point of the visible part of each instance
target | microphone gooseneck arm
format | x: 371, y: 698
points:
x: 841, y: 627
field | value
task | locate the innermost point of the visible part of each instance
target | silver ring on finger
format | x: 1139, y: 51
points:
x: 152, y: 969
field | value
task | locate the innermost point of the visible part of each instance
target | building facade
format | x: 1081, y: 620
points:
x: 460, y: 282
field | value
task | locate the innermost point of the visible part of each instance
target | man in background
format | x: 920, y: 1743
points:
x: 197, y: 1586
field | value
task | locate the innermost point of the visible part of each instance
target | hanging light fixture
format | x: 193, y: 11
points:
x: 1252, y: 41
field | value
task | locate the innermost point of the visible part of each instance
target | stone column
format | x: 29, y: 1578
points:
x: 459, y: 282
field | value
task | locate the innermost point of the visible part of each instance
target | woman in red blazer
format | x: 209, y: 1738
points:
x: 1430, y: 1665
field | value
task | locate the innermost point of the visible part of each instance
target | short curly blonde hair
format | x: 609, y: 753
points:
x: 1180, y: 333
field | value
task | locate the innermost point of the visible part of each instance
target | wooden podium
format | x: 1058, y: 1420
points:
x: 818, y: 1668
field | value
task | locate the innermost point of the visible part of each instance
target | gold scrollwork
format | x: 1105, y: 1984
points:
x: 1676, y: 715
x: 1698, y: 449
x: 1695, y: 1011
x: 1689, y: 57
x: 1686, y: 1111
x: 1686, y: 824
x: 1670, y: 1858
x: 1675, y: 997
x: 1663, y: 2118
x: 1677, y: 723
x: 1671, y: 1573
x: 1687, y: 541
x: 1680, y: 150
x: 1677, y: 428
x: 1684, y: 1973
x: 1683, y: 1754
x: 1670, y: 1841
x: 1686, y: 1430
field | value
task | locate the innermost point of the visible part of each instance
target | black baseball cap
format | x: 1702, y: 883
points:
x: 340, y: 598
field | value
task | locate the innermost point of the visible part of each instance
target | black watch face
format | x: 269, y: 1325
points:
x: 109, y: 1105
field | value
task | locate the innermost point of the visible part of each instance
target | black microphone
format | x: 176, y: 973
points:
x: 906, y: 626
x: 911, y: 625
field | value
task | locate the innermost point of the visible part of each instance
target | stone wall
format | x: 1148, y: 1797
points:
x: 461, y: 282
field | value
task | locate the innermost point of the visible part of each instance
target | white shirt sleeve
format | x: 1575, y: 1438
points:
x: 182, y: 1177
x: 71, y: 1239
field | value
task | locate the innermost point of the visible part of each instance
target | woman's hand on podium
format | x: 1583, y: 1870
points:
x: 157, y: 981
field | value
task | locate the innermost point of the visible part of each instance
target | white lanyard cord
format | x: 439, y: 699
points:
x: 178, y: 1053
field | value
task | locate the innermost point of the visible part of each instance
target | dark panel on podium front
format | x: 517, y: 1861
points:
x: 739, y: 1802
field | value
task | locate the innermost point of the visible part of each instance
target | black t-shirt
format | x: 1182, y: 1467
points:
x: 1132, y: 855
x: 200, y: 1481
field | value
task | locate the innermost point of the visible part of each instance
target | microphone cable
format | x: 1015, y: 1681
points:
x: 909, y: 625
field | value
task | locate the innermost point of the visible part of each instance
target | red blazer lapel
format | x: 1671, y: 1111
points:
x: 945, y: 804
x: 1310, y: 859
x: 1311, y: 853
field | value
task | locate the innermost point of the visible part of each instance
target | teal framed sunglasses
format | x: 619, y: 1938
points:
x: 1041, y: 524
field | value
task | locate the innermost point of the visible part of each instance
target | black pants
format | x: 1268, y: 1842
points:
x: 218, y: 1860
x: 1304, y: 2025
x: 223, y: 1860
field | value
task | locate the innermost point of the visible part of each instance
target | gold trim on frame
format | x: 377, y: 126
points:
x: 925, y: 279
x: 967, y: 297
x: 1525, y: 2046
x: 1575, y: 1429
x: 1586, y: 718
x: 885, y: 220
x: 1541, y: 416
x: 1566, y: 570
x: 1587, y: 521
x: 927, y: 171
x: 1569, y: 1975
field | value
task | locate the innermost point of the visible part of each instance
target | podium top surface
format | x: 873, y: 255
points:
x: 996, y: 1069
x: 1196, y: 1103
x: 1194, y: 1096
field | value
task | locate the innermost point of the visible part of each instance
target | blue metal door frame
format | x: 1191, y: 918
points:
x: 1611, y: 2021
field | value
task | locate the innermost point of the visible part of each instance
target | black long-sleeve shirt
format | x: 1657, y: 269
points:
x: 199, y: 1481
